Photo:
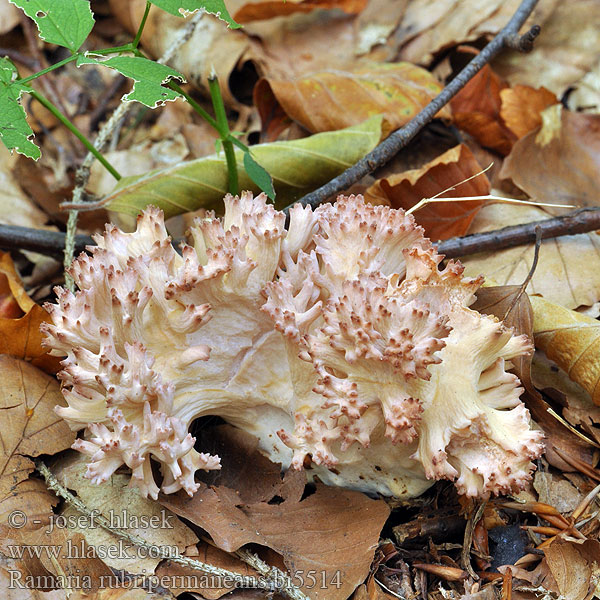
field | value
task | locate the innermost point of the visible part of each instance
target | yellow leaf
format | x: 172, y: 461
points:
x: 571, y: 340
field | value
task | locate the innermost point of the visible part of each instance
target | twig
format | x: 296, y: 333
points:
x: 104, y: 135
x: 468, y: 540
x: 384, y: 152
x: 582, y: 220
x: 282, y: 584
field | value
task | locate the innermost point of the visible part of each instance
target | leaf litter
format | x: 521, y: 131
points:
x: 511, y: 114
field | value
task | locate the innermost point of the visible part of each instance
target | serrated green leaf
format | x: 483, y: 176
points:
x: 296, y: 168
x: 15, y: 132
x: 147, y: 74
x: 180, y: 8
x: 259, y: 175
x: 63, y: 22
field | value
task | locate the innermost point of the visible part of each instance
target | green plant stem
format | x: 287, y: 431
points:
x: 138, y: 35
x: 222, y: 126
x: 50, y: 68
x: 49, y: 106
x: 206, y: 116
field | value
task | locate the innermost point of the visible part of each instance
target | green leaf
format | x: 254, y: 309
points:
x: 259, y: 175
x: 63, y: 22
x: 148, y: 75
x: 180, y: 8
x: 14, y: 129
x: 297, y: 167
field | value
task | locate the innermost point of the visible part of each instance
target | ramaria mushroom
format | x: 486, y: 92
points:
x: 338, y: 342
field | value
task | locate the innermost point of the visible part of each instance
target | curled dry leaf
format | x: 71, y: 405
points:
x: 559, y: 163
x: 441, y: 220
x: 255, y: 11
x: 20, y: 320
x: 522, y: 107
x: 575, y: 568
x: 333, y: 531
x: 28, y: 427
x: 476, y: 110
x: 568, y: 270
x: 430, y: 27
x: 127, y: 510
x: 571, y: 340
x: 331, y: 100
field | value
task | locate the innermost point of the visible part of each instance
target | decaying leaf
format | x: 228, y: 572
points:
x: 441, y: 220
x: 559, y: 163
x: 429, y: 27
x: 568, y: 271
x: 20, y: 334
x: 571, y: 340
x: 522, y: 106
x: 476, y: 110
x: 331, y: 100
x: 331, y: 531
x: 296, y: 167
x: 255, y: 11
x: 567, y: 47
x: 127, y: 510
x: 575, y: 567
x: 28, y: 427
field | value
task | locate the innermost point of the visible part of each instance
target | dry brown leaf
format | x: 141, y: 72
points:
x: 522, y: 107
x: 578, y: 408
x: 571, y: 340
x: 556, y: 491
x: 540, y: 577
x: 28, y: 427
x: 575, y: 567
x: 20, y: 334
x: 559, y: 163
x: 266, y: 9
x: 332, y: 100
x: 10, y: 16
x: 567, y: 47
x: 371, y: 591
x: 430, y: 26
x: 441, y: 220
x: 9, y: 580
x: 332, y: 532
x: 127, y: 510
x: 568, y: 271
x: 476, y: 110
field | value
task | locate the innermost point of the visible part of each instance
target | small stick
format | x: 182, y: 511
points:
x: 281, y: 584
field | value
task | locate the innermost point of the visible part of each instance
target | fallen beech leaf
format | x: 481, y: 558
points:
x: 522, y: 107
x: 571, y: 340
x: 371, y: 591
x: 296, y: 167
x: 568, y: 270
x: 567, y: 47
x: 476, y: 110
x: 441, y: 220
x: 127, y: 510
x: 578, y: 406
x: 332, y: 532
x: 540, y: 577
x: 255, y: 11
x: 20, y: 334
x: 556, y: 491
x: 331, y: 100
x: 428, y: 27
x: 28, y: 427
x: 11, y: 591
x: 559, y: 163
x: 575, y: 567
